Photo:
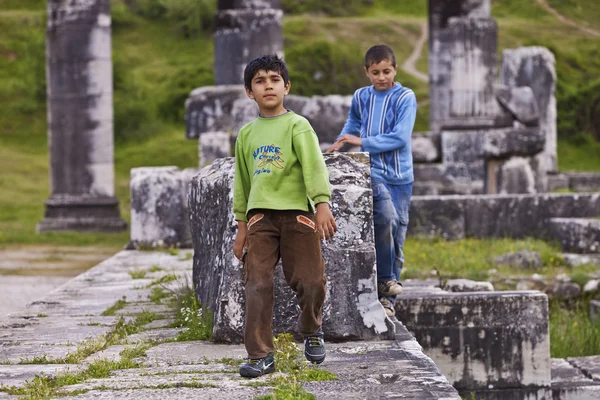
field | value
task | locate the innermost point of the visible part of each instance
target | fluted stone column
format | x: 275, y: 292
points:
x: 462, y: 64
x: 245, y: 29
x: 80, y: 118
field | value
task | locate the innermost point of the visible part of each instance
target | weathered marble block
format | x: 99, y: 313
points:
x: 584, y: 181
x: 594, y: 309
x: 520, y: 102
x: 213, y: 145
x: 493, y: 216
x: 227, y: 109
x: 243, y: 33
x: 576, y: 235
x: 535, y: 67
x: 491, y: 340
x: 351, y: 310
x: 426, y: 147
x: 159, y: 213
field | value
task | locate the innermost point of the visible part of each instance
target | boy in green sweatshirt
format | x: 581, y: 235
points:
x: 280, y: 181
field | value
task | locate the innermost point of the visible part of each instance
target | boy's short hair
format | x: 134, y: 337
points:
x: 379, y: 53
x: 268, y: 63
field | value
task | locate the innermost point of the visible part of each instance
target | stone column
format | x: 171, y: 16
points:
x: 462, y: 64
x: 535, y: 67
x: 245, y: 30
x: 80, y: 118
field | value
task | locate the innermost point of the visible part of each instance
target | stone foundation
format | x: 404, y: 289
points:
x: 351, y: 311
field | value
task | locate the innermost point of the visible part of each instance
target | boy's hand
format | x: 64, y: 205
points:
x: 326, y: 225
x: 240, y: 240
x: 351, y: 139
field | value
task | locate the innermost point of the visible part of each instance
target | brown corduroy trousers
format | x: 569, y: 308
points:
x: 291, y: 236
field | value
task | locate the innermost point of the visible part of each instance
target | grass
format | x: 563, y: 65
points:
x: 44, y: 386
x: 157, y: 294
x: 585, y: 12
x: 137, y: 274
x: 583, y: 155
x: 112, y: 310
x: 146, y: 124
x: 572, y: 333
x: 163, y: 280
x: 196, y: 320
x: 470, y: 258
x: 289, y: 361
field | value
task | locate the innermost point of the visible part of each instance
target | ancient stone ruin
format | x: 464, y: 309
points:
x: 351, y: 311
x: 245, y: 29
x: 483, y: 170
x: 80, y: 118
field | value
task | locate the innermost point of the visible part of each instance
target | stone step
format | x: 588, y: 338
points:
x: 576, y: 235
x: 382, y: 369
x: 478, y: 339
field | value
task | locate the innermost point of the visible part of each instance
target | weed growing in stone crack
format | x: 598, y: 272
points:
x: 188, y: 256
x: 145, y: 317
x: 36, y: 360
x: 155, y: 268
x: 158, y: 294
x: 196, y: 320
x: 232, y: 362
x: 163, y: 280
x: 288, y: 360
x: 93, y: 324
x: 138, y: 274
x: 112, y: 310
x: 43, y: 386
x: 89, y: 347
x: 41, y: 315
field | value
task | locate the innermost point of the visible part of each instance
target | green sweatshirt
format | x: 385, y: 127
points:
x: 278, y: 166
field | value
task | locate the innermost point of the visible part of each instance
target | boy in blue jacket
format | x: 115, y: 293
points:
x: 380, y: 121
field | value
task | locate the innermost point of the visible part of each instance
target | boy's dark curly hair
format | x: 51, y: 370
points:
x: 268, y: 63
x: 379, y: 53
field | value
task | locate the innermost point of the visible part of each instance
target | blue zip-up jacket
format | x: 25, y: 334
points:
x: 384, y: 120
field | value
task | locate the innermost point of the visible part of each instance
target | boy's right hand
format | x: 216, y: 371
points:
x: 240, y: 240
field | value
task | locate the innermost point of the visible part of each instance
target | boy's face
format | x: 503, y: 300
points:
x: 268, y: 90
x: 381, y: 75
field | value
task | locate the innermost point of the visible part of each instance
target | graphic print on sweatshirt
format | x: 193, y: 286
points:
x: 266, y: 157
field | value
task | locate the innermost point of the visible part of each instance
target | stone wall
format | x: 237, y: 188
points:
x: 495, y: 216
x: 351, y: 311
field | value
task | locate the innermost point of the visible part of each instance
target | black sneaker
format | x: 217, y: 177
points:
x: 258, y: 367
x: 314, y: 347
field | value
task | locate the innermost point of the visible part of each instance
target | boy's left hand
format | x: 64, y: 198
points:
x: 326, y: 225
x: 350, y: 139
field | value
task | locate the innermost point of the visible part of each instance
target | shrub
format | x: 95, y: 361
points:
x: 177, y: 89
x: 331, y: 7
x: 329, y: 68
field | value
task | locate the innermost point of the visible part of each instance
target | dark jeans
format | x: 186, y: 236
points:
x: 390, y: 216
x: 291, y: 236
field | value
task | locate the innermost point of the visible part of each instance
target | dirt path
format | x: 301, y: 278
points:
x: 409, y: 65
x: 562, y: 18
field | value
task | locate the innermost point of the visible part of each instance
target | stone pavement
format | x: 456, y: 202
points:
x: 67, y: 335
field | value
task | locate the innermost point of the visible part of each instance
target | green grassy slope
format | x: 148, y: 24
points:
x: 158, y: 60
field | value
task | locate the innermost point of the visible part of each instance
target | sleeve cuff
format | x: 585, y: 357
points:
x: 322, y: 199
x: 241, y: 217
